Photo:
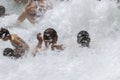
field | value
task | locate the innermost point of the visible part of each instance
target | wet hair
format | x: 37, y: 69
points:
x: 50, y: 34
x: 4, y: 33
x: 83, y: 38
x: 8, y: 52
x: 83, y: 33
x: 2, y: 10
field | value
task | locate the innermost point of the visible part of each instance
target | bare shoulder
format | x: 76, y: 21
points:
x: 14, y: 35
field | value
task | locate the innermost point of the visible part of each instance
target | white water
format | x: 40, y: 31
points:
x: 100, y: 62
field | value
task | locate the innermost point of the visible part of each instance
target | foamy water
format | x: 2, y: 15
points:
x: 99, y: 62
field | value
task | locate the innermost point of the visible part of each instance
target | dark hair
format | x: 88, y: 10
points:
x: 83, y: 38
x: 8, y: 52
x: 4, y: 33
x: 50, y: 33
x: 83, y: 33
x: 2, y: 10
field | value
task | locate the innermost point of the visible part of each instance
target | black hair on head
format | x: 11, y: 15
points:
x: 4, y: 33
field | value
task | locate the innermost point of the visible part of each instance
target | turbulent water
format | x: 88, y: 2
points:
x: 99, y: 62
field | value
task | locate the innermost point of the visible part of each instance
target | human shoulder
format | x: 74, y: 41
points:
x: 14, y: 35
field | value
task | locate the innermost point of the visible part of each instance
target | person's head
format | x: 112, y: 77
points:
x: 4, y: 34
x: 50, y: 35
x: 2, y: 10
x: 83, y: 38
x: 8, y: 52
x: 83, y: 33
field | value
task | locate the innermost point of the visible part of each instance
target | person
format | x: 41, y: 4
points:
x: 83, y: 38
x: 33, y: 10
x: 50, y: 38
x: 118, y: 1
x: 21, y: 1
x: 2, y: 11
x: 20, y: 46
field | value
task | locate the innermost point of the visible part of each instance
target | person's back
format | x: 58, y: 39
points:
x: 18, y: 43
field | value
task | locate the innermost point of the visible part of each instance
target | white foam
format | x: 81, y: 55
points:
x: 99, y: 62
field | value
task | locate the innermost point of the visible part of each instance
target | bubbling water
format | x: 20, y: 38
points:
x: 99, y: 62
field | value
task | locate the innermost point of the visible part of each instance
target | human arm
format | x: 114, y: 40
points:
x: 39, y: 45
x: 58, y: 47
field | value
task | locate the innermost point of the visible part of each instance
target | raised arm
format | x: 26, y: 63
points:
x: 29, y: 3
